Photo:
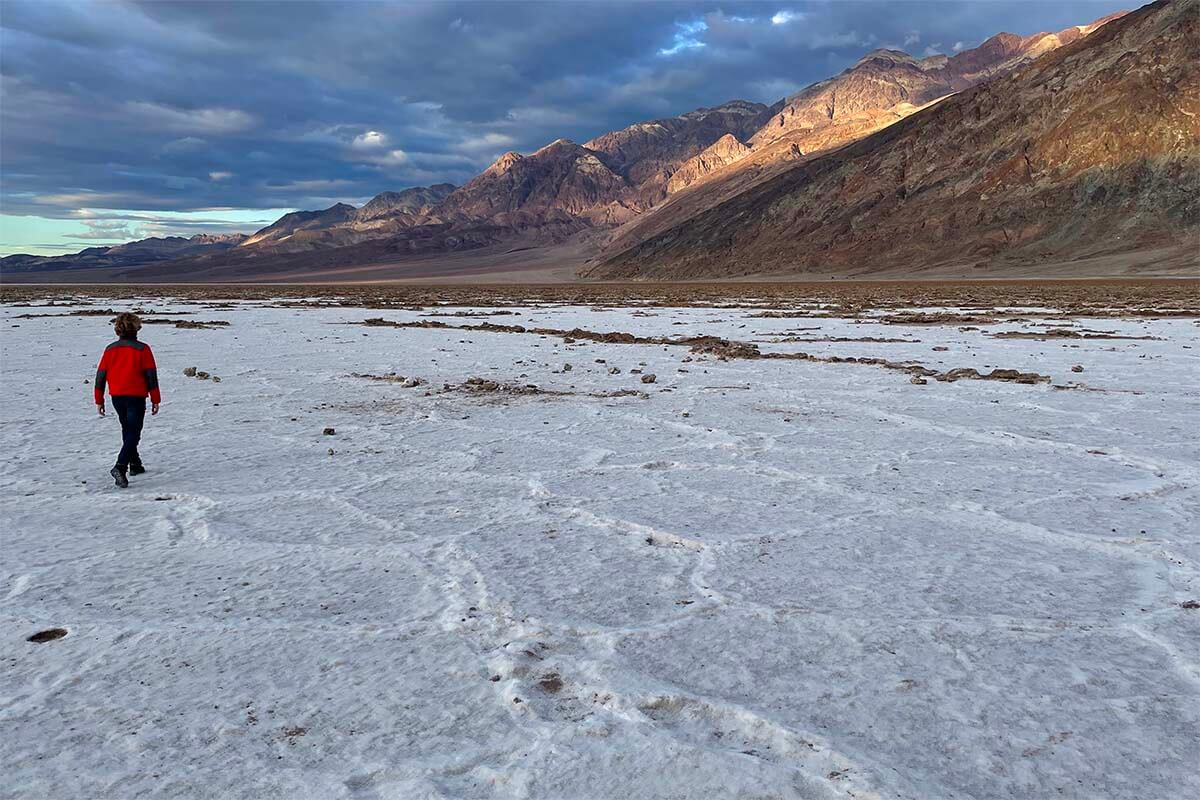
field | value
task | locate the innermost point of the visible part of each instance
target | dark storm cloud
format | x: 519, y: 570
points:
x: 182, y: 106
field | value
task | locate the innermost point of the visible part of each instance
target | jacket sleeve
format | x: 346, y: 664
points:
x: 150, y: 371
x: 101, y: 379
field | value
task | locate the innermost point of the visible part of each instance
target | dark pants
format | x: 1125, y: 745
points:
x: 132, y: 413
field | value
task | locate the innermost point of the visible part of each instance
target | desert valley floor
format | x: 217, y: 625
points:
x: 517, y: 566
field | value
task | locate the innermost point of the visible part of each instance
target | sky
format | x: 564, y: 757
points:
x: 120, y: 120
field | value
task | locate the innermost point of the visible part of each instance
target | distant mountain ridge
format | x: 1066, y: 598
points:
x: 143, y: 251
x: 641, y: 194
x: 565, y: 188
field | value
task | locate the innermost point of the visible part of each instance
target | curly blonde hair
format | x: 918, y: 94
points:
x: 127, y: 325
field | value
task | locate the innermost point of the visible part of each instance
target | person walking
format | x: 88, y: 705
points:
x: 128, y: 369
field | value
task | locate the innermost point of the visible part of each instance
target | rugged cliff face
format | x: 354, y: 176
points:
x: 892, y: 83
x: 1093, y: 148
x: 299, y: 222
x: 720, y: 153
x: 414, y: 202
x: 648, y: 154
x: 561, y: 179
x: 385, y: 215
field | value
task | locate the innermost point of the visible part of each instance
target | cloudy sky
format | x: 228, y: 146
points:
x: 120, y: 120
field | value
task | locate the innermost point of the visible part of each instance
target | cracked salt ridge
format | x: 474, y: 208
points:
x: 725, y: 349
x: 891, y: 590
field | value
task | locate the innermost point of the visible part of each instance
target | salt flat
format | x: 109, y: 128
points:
x: 759, y: 578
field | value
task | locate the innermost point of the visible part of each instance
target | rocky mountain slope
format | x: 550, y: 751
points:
x: 555, y: 192
x: 648, y: 154
x: 563, y: 180
x: 410, y: 203
x: 891, y: 79
x: 542, y: 198
x: 1092, y: 148
x: 308, y: 226
x: 720, y: 153
x: 879, y: 90
x: 624, y: 177
x: 341, y: 225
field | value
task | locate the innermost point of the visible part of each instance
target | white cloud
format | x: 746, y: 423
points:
x: 312, y: 185
x: 370, y: 140
x: 184, y: 145
x: 392, y: 158
x: 784, y: 17
x: 220, y: 176
x: 197, y: 120
x: 487, y: 142
x: 912, y: 38
x: 542, y: 116
x: 776, y: 88
x: 687, y: 37
x: 109, y: 231
x: 958, y: 47
x: 821, y: 41
x: 86, y: 197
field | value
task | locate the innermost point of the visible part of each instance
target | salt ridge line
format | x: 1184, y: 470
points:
x: 725, y: 349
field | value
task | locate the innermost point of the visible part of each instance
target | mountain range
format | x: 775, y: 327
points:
x: 1024, y: 150
x: 130, y: 254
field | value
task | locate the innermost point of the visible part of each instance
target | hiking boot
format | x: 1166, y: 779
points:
x: 136, y: 469
x: 118, y: 473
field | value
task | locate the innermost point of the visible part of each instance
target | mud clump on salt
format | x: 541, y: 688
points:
x: 48, y: 635
x: 839, y: 339
x: 199, y: 374
x: 490, y: 313
x: 722, y: 349
x: 551, y: 683
x: 486, y: 387
x: 1011, y: 375
x: 189, y: 324
x: 483, y: 386
x: 391, y: 377
x: 1066, y: 333
x: 294, y: 732
x: 919, y: 318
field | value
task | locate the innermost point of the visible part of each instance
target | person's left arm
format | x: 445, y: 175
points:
x: 150, y: 371
x: 101, y: 379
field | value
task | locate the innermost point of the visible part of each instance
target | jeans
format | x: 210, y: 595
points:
x: 132, y: 413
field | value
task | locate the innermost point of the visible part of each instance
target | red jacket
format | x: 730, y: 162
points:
x: 128, y: 368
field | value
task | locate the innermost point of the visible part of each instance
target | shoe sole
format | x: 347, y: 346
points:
x: 121, y: 481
